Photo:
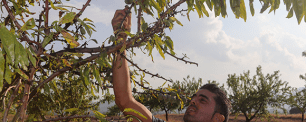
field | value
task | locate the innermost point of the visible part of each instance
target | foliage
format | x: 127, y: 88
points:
x: 113, y: 111
x: 252, y: 95
x: 29, y: 63
x: 297, y: 99
x: 189, y: 87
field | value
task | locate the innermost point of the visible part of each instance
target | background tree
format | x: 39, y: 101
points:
x: 113, y: 111
x: 294, y: 110
x: 29, y: 61
x: 297, y: 98
x: 252, y: 95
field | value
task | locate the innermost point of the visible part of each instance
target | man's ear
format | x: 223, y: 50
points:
x: 218, y: 117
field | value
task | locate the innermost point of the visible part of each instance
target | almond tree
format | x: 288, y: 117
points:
x: 28, y: 61
x: 252, y: 95
x: 298, y: 98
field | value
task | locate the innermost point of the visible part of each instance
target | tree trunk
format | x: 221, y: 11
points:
x: 166, y: 115
x: 303, y: 116
x: 24, y: 101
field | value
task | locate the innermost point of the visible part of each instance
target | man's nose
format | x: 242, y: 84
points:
x: 192, y: 101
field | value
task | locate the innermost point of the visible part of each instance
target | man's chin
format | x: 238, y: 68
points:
x: 187, y: 117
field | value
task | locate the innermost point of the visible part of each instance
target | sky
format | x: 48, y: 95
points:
x: 220, y: 46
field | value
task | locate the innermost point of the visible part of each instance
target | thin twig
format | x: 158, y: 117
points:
x: 182, y: 59
x: 5, y: 95
x: 78, y: 15
x: 138, y: 19
x: 47, y: 17
x: 153, y: 75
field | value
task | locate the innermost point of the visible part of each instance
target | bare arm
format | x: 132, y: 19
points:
x: 121, y: 76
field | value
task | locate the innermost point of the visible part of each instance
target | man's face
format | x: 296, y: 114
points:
x: 201, y: 107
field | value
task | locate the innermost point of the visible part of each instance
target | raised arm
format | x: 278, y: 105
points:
x: 121, y: 75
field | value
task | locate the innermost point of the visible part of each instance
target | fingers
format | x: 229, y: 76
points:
x: 118, y: 17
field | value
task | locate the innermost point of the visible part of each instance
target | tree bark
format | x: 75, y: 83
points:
x: 24, y: 100
x: 303, y: 116
x: 166, y: 115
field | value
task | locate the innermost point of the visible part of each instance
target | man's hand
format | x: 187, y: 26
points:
x: 118, y: 18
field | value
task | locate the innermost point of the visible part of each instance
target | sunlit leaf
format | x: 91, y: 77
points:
x: 243, y: 10
x: 28, y: 25
x: 67, y: 18
x: 70, y: 39
x: 71, y: 109
x: 290, y: 13
x: 8, y: 39
x: 2, y: 67
x: 134, y: 111
x: 7, y: 74
x: 47, y: 39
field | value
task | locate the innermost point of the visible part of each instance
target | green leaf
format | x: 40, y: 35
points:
x: 264, y: 7
x: 86, y: 76
x: 28, y: 25
x: 22, y: 74
x: 47, y: 39
x: 290, y: 13
x: 243, y: 10
x: 96, y: 74
x: 52, y: 5
x: 8, y: 40
x: 169, y: 42
x: 99, y: 115
x: 298, y: 10
x: 7, y: 74
x: 134, y: 111
x: 252, y: 7
x: 70, y: 39
x: 2, y: 67
x: 157, y: 43
x: 199, y: 10
x: 156, y: 6
x: 67, y: 18
x: 71, y: 109
x: 21, y: 56
x: 87, y: 28
x: 177, y: 21
x: 123, y: 48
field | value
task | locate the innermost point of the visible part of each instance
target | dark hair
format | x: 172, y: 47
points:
x: 223, y: 104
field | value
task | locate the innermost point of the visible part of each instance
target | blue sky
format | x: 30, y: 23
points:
x: 221, y: 46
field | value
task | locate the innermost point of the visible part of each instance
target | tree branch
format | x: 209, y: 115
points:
x: 182, y: 59
x: 68, y: 117
x: 108, y: 50
x: 153, y: 75
x: 78, y: 15
x: 11, y: 101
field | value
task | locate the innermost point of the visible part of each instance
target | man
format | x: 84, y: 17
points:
x: 209, y: 104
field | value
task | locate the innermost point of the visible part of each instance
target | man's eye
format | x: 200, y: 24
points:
x: 202, y: 100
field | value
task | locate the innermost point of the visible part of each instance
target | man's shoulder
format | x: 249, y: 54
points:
x: 156, y: 119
